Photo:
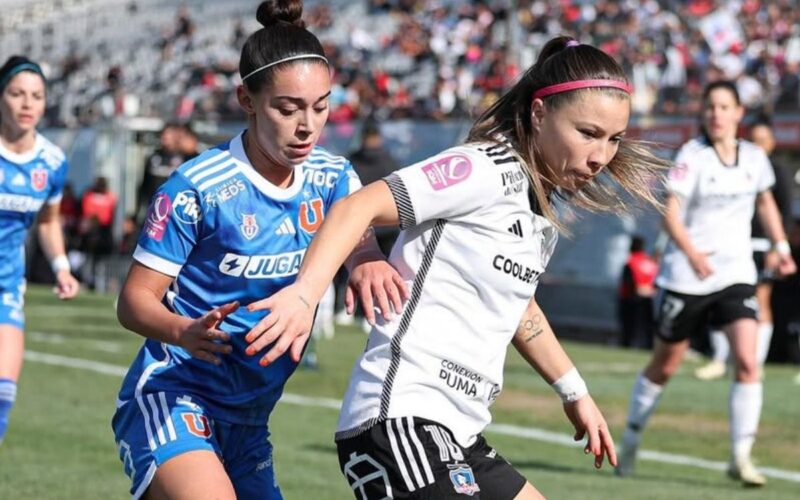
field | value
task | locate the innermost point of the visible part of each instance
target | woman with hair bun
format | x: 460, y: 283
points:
x: 227, y: 228
x: 478, y: 229
x: 32, y: 175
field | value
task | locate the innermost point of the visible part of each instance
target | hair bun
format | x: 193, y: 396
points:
x: 274, y: 11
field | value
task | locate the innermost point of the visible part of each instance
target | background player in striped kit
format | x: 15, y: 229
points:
x: 707, y: 274
x: 32, y: 175
x: 764, y: 256
x: 478, y: 229
x: 228, y: 228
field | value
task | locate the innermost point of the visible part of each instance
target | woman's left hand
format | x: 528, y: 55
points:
x: 587, y: 419
x: 288, y: 324
x: 66, y: 285
x: 786, y: 265
x: 377, y: 284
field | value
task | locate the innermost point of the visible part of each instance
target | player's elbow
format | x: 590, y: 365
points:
x: 125, y: 312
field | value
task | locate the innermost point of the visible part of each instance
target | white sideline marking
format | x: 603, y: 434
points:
x: 56, y: 338
x: 506, y: 429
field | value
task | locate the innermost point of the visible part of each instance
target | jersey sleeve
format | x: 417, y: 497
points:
x: 683, y: 175
x: 346, y: 184
x: 766, y: 179
x: 451, y: 184
x: 171, y: 227
x: 57, y: 187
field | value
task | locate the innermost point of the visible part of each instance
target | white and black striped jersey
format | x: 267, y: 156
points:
x: 471, y: 249
x: 717, y: 205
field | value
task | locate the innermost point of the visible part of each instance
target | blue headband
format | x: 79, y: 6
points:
x: 26, y: 66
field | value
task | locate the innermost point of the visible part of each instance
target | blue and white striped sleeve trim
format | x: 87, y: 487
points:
x: 155, y: 262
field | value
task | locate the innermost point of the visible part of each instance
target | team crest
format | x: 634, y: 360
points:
x: 311, y: 215
x: 197, y: 425
x: 39, y: 179
x: 249, y: 226
x: 463, y: 479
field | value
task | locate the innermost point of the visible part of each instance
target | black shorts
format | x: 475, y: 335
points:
x: 415, y: 458
x: 680, y: 316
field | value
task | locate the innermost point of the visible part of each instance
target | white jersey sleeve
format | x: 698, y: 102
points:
x: 682, y: 178
x: 451, y: 184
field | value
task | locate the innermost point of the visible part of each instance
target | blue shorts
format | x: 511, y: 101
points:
x: 12, y: 301
x: 155, y: 427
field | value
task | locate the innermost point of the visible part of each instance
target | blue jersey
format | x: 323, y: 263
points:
x: 227, y: 234
x: 27, y: 182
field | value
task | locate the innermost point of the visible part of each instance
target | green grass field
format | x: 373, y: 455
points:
x: 60, y: 444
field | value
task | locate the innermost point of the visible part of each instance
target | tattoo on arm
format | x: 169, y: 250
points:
x: 532, y: 327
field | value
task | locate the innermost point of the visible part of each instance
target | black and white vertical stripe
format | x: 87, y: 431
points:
x: 404, y: 207
x: 408, y: 313
x: 409, y: 454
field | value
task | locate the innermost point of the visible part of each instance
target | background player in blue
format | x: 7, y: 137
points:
x: 32, y: 173
x: 228, y: 228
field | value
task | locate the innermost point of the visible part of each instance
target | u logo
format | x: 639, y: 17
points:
x: 311, y: 222
x: 197, y: 424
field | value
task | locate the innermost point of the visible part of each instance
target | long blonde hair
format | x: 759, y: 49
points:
x: 634, y: 168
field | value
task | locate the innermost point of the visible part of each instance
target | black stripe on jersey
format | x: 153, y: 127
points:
x: 494, y: 149
x: 501, y: 150
x: 416, y: 292
x: 404, y: 207
x: 508, y: 159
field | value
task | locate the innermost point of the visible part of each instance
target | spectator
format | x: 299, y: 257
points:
x: 188, y: 144
x: 160, y: 165
x: 97, y: 220
x: 635, y: 297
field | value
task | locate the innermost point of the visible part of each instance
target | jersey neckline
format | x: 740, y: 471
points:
x: 236, y: 149
x: 27, y: 156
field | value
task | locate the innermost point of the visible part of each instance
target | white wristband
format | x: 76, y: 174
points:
x: 782, y: 247
x: 60, y: 263
x: 570, y: 387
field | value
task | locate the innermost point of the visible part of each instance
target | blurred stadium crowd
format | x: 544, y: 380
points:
x: 425, y: 59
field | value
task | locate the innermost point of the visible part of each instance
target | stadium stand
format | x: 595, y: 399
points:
x: 403, y: 58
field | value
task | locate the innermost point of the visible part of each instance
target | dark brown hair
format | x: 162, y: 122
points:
x: 634, y: 167
x: 283, y: 35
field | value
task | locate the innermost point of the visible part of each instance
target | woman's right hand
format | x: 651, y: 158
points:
x: 203, y: 340
x: 700, y: 264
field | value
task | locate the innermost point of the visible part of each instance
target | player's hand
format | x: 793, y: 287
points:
x: 66, y: 285
x: 288, y: 324
x: 376, y: 283
x: 203, y: 340
x: 587, y: 420
x: 786, y: 265
x: 772, y: 263
x: 700, y: 264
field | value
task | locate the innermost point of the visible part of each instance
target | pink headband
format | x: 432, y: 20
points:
x: 581, y: 84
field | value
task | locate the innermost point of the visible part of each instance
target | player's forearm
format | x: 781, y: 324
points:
x: 770, y: 217
x: 538, y: 345
x: 366, y: 249
x: 675, y: 227
x: 140, y: 311
x: 342, y: 230
x: 51, y: 237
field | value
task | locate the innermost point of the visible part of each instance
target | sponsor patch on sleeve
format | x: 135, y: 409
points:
x: 155, y: 224
x: 447, y: 171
